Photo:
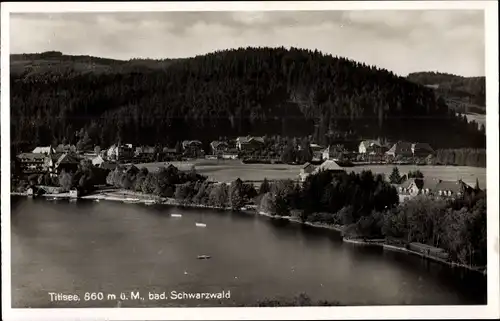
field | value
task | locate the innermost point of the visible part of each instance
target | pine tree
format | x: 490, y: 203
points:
x: 264, y: 187
x: 395, y: 177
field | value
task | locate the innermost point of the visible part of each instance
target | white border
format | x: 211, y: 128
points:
x: 366, y: 312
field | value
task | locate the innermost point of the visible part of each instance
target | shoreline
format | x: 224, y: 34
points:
x: 126, y: 196
x: 394, y: 248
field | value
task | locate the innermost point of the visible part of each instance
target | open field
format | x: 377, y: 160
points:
x: 229, y: 170
x: 450, y: 173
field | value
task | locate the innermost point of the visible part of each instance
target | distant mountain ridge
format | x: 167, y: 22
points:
x: 261, y: 91
x: 55, y: 62
x: 464, y: 94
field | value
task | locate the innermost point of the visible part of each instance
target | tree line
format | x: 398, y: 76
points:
x: 274, y: 91
x: 461, y: 157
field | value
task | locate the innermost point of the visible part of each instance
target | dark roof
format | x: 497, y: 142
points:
x: 453, y: 186
x: 248, y: 139
x: 190, y: 142
x: 400, y: 147
x: 422, y: 146
x: 216, y: 144
x: 67, y: 159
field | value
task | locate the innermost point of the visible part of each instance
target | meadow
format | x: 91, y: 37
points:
x: 229, y: 170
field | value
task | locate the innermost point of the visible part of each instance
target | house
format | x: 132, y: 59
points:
x: 371, y: 147
x: 44, y: 150
x: 328, y: 165
x: 439, y: 188
x: 334, y: 152
x: 413, y: 187
x: 32, y: 163
x: 118, y: 151
x: 67, y: 162
x: 145, y: 151
x: 230, y: 153
x: 400, y: 149
x: 421, y: 150
x: 97, y: 161
x: 218, y: 147
x: 191, y: 144
x: 249, y: 143
x: 74, y: 193
x: 305, y: 171
x: 168, y: 152
x: 193, y: 148
x: 451, y: 189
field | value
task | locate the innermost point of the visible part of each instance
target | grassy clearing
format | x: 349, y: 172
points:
x: 229, y: 170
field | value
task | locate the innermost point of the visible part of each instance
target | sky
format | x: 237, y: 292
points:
x: 451, y: 41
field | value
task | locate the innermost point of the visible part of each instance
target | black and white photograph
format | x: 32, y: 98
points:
x: 321, y: 155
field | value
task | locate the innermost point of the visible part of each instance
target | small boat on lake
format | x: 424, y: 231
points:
x: 176, y: 215
x: 203, y: 257
x: 201, y: 225
x: 97, y: 200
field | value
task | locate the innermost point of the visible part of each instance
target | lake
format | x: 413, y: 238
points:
x: 115, y: 248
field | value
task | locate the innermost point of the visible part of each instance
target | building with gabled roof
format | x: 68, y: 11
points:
x: 32, y: 163
x: 328, y: 165
x: 334, y: 152
x: 373, y: 147
x: 422, y: 150
x: 218, y: 147
x: 306, y: 170
x: 249, y: 143
x: 403, y: 149
x: 48, y: 150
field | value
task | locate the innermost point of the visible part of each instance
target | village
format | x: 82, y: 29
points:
x: 43, y: 165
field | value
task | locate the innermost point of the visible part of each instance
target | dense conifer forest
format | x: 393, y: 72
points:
x: 260, y: 91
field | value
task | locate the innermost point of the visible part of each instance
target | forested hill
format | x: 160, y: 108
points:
x: 466, y: 94
x: 272, y: 91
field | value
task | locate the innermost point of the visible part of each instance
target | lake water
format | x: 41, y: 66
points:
x: 115, y: 248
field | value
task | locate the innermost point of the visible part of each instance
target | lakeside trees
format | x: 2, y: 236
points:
x: 161, y: 183
x: 369, y: 207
